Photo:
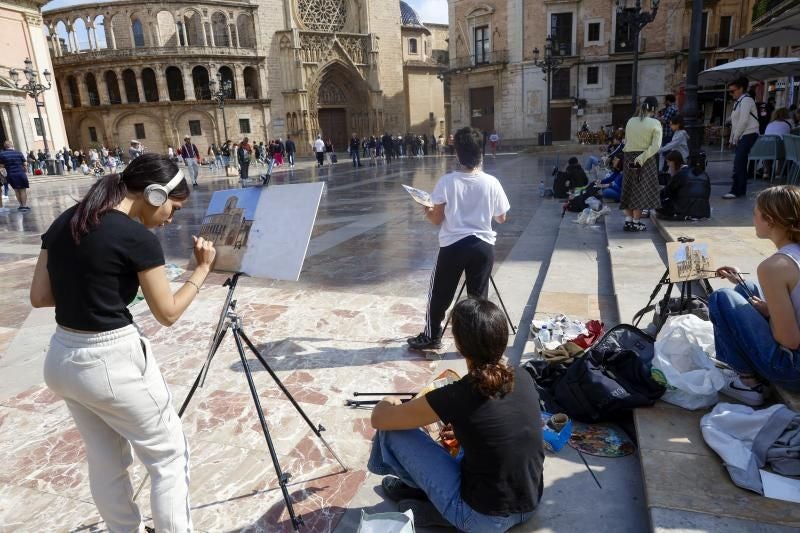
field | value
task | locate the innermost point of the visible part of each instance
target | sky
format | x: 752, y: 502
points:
x: 428, y: 10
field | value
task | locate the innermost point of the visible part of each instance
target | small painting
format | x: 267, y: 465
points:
x: 690, y: 261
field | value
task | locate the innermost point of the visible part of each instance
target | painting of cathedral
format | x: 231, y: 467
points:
x: 229, y: 231
x: 262, y: 231
x: 690, y: 261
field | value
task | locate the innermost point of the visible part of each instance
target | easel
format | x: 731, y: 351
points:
x: 685, y: 287
x: 503, y: 305
x: 230, y: 320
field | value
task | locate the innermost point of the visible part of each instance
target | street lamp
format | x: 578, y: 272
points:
x: 34, y: 88
x: 635, y: 20
x: 219, y: 97
x: 548, y: 64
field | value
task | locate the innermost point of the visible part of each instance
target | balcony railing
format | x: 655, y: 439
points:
x: 147, y: 52
x: 494, y: 57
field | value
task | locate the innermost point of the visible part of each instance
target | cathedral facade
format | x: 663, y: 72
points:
x: 131, y: 70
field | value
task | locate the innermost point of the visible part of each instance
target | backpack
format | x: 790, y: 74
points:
x: 561, y: 185
x: 578, y: 203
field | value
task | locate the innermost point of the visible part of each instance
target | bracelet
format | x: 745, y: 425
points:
x: 196, y: 286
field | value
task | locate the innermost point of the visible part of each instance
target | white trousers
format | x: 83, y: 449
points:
x: 115, y: 392
x: 193, y: 168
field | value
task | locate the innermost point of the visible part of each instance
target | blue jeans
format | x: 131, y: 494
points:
x: 744, y: 340
x: 746, y: 142
x: 355, y: 157
x: 420, y: 462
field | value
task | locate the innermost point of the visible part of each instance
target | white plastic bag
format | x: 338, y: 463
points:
x: 683, y: 352
x: 392, y: 522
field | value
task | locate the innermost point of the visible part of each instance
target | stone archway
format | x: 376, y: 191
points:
x: 340, y: 101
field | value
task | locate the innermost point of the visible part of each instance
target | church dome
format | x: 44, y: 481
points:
x: 408, y: 16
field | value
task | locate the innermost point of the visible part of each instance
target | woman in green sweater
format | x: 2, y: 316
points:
x: 640, y: 181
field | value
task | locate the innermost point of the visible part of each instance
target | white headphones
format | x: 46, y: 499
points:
x: 156, y: 194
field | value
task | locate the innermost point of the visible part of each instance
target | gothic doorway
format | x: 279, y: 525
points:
x: 333, y: 126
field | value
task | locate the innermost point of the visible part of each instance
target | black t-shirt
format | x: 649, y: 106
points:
x: 501, y: 471
x: 94, y: 282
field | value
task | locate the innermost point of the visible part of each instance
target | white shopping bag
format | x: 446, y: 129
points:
x: 683, y: 351
x: 387, y: 522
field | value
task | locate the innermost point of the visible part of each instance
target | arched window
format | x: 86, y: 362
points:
x: 200, y: 82
x: 167, y: 29
x: 91, y: 89
x: 251, y: 85
x: 131, y: 90
x: 412, y: 46
x: 74, y: 94
x: 100, y: 32
x: 179, y: 30
x: 113, y: 87
x: 175, y: 84
x: 194, y: 28
x: 244, y: 26
x: 138, y: 33
x: 149, y: 85
x: 81, y: 34
x: 227, y: 75
x: 219, y: 25
x: 62, y: 36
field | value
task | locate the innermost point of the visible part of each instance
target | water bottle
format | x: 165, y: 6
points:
x: 558, y: 334
x: 544, y: 334
x: 541, y: 189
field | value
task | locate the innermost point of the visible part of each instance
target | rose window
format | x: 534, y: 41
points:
x: 323, y: 15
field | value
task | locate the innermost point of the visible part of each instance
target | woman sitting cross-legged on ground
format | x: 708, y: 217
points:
x: 494, y: 413
x: 611, y: 185
x: 758, y: 336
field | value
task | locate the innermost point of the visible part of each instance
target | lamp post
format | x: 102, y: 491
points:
x: 548, y: 64
x: 635, y: 19
x: 219, y: 97
x: 691, y: 108
x: 34, y: 88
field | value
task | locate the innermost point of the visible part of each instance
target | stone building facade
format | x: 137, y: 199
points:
x: 297, y: 67
x: 21, y: 38
x: 494, y: 83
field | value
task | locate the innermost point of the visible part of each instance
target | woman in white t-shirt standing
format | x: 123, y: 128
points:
x: 465, y: 203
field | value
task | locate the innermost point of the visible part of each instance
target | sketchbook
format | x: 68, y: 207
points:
x: 419, y: 196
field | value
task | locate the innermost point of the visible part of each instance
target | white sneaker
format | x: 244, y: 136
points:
x: 734, y: 388
x: 729, y: 196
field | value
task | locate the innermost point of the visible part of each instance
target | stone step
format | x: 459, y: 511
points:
x: 685, y: 483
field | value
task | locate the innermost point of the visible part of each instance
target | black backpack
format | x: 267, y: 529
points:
x: 578, y: 204
x: 612, y: 378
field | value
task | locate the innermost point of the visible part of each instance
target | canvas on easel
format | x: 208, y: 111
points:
x: 690, y: 261
x: 262, y: 231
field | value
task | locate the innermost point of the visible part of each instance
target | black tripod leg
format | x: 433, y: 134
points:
x: 503, y: 305
x: 201, y: 373
x: 316, y: 429
x: 283, y: 478
x: 458, y: 297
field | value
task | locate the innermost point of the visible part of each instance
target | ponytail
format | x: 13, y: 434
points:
x: 105, y: 194
x: 481, y: 335
x: 109, y: 191
x: 493, y: 379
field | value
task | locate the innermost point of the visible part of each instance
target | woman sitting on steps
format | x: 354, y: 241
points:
x: 758, y: 336
x: 494, y: 413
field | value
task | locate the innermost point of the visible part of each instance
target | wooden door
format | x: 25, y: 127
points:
x: 620, y: 114
x: 561, y: 122
x: 333, y: 126
x: 481, y: 108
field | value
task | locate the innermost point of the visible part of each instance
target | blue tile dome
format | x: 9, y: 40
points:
x: 408, y: 16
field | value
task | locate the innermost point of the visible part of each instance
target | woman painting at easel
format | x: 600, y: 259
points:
x: 756, y: 331
x: 494, y: 413
x: 94, y: 258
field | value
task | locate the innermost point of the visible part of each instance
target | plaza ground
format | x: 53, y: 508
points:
x: 341, y: 328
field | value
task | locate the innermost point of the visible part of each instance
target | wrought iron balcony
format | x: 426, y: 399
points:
x: 88, y: 56
x: 495, y: 57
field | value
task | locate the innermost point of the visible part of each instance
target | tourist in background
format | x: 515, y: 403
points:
x: 744, y: 133
x: 319, y: 150
x: 191, y: 157
x: 244, y: 154
x: 14, y: 164
x: 290, y: 150
x: 679, y: 140
x: 640, y: 180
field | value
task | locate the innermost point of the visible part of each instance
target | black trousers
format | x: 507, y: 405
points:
x: 320, y: 158
x: 470, y: 255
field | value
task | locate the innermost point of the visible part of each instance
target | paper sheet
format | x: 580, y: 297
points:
x: 780, y: 487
